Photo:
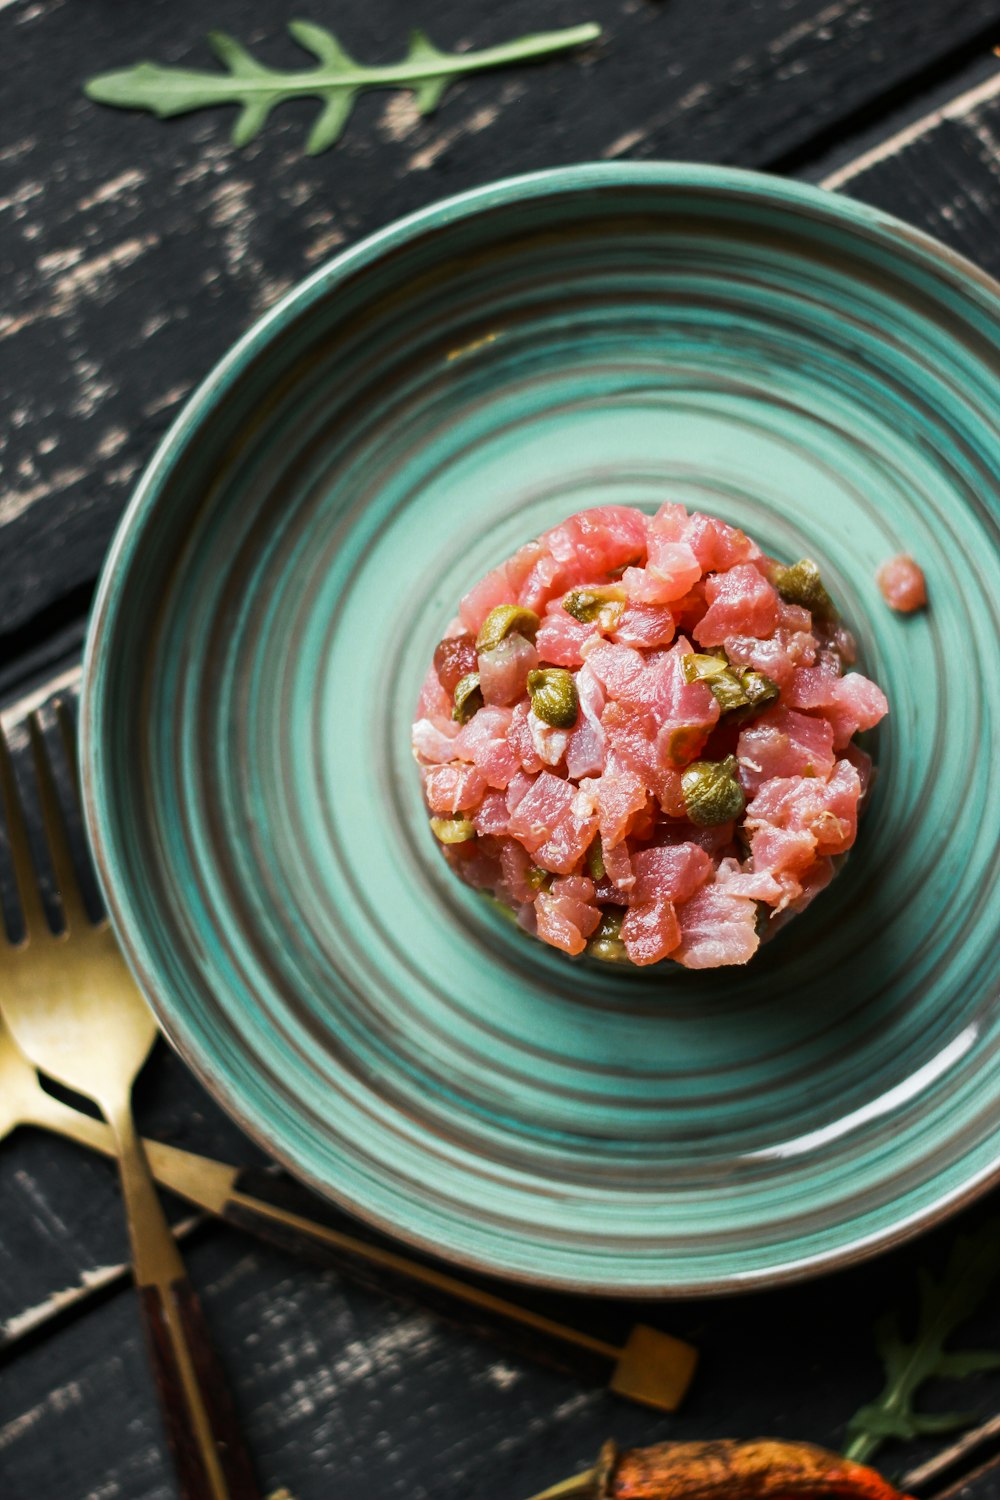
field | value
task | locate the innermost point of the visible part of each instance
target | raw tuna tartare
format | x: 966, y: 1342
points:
x: 638, y: 736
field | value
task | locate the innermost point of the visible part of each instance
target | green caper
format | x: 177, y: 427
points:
x: 453, y: 830
x: 802, y: 584
x: 505, y: 620
x: 554, y: 698
x: 538, y: 879
x: 595, y: 859
x: 731, y: 688
x: 759, y: 689
x: 712, y: 794
x: 716, y: 673
x: 684, y: 741
x: 589, y: 605
x: 467, y: 698
x: 606, y: 942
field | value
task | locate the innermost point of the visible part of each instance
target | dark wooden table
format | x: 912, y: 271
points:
x: 132, y: 252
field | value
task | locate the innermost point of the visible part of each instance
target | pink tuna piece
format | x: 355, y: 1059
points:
x: 477, y: 862
x: 585, y: 751
x: 485, y: 740
x: 617, y: 795
x: 719, y: 547
x: 684, y: 712
x: 674, y: 564
x: 825, y: 809
x: 759, y: 885
x: 645, y: 626
x: 565, y: 914
x: 491, y: 816
x: 741, y: 602
x: 515, y: 864
x: 850, y: 703
x: 540, y: 810
x: 596, y: 542
x: 902, y: 583
x: 784, y: 743
x: 453, y: 788
x: 490, y: 591
x: 561, y: 638
x: 545, y: 820
x: 716, y: 928
x: 434, y: 702
x: 786, y: 855
x: 618, y: 867
x: 503, y: 671
x: 650, y: 931
x: 520, y: 738
x: 568, y: 843
x: 433, y: 740
x: 670, y: 873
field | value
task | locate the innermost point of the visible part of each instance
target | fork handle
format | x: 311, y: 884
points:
x: 201, y: 1422
x: 198, y: 1412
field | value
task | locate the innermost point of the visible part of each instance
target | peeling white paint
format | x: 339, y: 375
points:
x: 962, y: 105
x: 15, y: 502
x: 428, y: 155
x: 113, y: 188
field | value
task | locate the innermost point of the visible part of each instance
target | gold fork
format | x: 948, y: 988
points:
x: 76, y: 1012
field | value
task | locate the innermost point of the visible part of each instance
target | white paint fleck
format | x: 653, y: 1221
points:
x: 502, y: 1375
x: 113, y: 188
x: 63, y: 1398
x: 623, y: 143
x: 324, y: 243
x: 480, y: 120
x: 15, y: 502
x: 169, y: 398
x: 111, y: 441
x: 20, y: 148
x: 58, y: 260
x: 400, y: 117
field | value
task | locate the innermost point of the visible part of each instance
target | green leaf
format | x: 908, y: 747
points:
x: 942, y: 1307
x: 335, y: 80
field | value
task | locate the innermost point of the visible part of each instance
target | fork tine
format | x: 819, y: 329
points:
x: 63, y: 868
x: 64, y: 711
x: 22, y: 863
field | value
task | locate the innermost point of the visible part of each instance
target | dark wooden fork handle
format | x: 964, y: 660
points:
x: 178, y: 1336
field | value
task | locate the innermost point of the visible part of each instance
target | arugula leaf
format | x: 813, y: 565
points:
x: 943, y: 1306
x: 335, y: 80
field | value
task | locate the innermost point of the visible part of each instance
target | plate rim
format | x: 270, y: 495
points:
x: 841, y: 209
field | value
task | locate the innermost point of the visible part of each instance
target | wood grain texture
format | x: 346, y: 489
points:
x: 133, y: 251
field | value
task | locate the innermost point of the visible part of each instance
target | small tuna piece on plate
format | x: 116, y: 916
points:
x: 902, y: 583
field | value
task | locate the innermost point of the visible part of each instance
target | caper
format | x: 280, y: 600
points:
x: 802, y: 584
x: 759, y: 689
x: 683, y: 741
x: 595, y: 859
x: 731, y: 688
x: 468, y: 698
x: 712, y: 794
x: 606, y: 942
x: 505, y: 620
x: 554, y: 698
x: 606, y: 605
x: 453, y: 830
x: 538, y: 879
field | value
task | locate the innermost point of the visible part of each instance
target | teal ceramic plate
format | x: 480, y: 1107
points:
x: 803, y: 366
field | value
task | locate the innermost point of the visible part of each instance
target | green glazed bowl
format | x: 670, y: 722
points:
x: 797, y: 363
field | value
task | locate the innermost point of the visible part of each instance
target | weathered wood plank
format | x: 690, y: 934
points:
x: 132, y: 251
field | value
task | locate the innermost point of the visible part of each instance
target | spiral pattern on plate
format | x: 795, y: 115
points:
x: 800, y: 365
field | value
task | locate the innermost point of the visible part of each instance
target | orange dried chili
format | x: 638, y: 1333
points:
x: 762, y: 1469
